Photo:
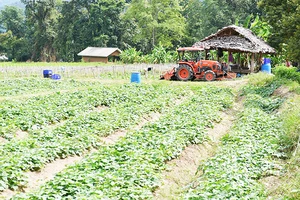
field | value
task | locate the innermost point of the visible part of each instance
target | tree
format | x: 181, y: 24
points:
x: 207, y: 16
x: 13, y: 42
x: 88, y: 23
x: 156, y: 21
x: 284, y: 18
x: 41, y: 17
x: 12, y: 18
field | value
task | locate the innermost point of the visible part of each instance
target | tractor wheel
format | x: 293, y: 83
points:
x: 209, y: 75
x: 184, y: 73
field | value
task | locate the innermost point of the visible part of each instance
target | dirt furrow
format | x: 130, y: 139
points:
x: 2, y: 140
x: 113, y: 138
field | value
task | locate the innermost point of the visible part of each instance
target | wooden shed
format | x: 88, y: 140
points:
x: 99, y: 54
x: 242, y: 41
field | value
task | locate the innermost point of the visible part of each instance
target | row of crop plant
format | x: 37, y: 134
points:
x: 12, y: 87
x: 128, y: 105
x: 247, y: 152
x: 131, y: 168
x: 40, y: 111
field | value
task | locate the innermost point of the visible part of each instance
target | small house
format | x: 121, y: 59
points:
x: 99, y: 54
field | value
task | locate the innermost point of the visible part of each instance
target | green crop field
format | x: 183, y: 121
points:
x: 126, y: 135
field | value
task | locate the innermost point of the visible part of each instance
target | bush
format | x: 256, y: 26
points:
x: 260, y: 79
x: 289, y: 73
x: 161, y: 55
x: 158, y: 55
x: 131, y: 56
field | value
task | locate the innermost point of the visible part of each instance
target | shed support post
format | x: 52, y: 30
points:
x: 239, y: 60
x: 206, y: 54
x: 252, y: 63
x: 260, y: 59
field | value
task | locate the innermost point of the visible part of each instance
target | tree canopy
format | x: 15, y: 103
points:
x: 284, y: 18
x: 53, y: 30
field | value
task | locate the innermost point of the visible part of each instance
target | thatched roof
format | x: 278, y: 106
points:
x: 99, y: 52
x: 235, y: 39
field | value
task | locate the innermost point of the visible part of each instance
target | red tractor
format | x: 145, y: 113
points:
x: 191, y: 67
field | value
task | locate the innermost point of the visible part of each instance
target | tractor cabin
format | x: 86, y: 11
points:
x: 244, y: 51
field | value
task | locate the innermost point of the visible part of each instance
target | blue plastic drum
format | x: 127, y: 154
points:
x: 56, y: 77
x: 267, y: 61
x: 266, y: 67
x: 135, y: 77
x: 47, y: 73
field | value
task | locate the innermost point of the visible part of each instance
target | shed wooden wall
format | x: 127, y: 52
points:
x: 94, y: 59
x: 116, y: 53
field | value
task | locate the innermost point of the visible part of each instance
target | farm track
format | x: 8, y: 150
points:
x: 19, y: 135
x: 2, y: 140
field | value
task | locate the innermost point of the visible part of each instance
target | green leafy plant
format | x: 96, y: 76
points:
x: 131, y: 56
x: 289, y: 73
x: 160, y: 55
x: 131, y: 168
x: 126, y: 106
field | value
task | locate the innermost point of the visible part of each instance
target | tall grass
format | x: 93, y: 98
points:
x: 290, y: 141
x: 260, y: 79
x: 291, y: 119
x: 290, y: 182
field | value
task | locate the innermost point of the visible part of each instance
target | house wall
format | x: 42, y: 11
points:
x: 116, y: 53
x: 95, y: 59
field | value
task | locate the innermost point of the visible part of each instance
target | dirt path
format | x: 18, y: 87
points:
x: 182, y: 170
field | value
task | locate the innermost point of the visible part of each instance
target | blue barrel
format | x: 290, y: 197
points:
x: 267, y: 61
x: 55, y: 77
x: 47, y: 73
x: 266, y: 68
x: 135, y: 77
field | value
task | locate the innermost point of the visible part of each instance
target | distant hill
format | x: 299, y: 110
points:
x: 16, y: 3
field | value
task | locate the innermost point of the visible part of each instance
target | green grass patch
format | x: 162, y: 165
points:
x: 291, y: 120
